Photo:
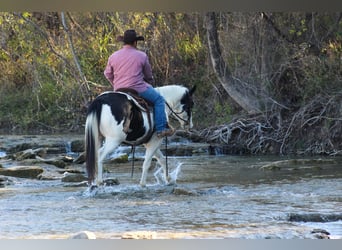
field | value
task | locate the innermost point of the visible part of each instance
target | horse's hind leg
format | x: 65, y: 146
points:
x: 109, y: 145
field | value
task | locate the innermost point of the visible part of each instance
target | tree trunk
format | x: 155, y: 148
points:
x: 246, y: 95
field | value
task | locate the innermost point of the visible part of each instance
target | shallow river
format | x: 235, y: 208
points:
x: 214, y: 197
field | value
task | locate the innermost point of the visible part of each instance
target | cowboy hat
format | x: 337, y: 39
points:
x: 130, y: 36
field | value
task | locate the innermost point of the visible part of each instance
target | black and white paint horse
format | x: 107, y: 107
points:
x: 115, y: 118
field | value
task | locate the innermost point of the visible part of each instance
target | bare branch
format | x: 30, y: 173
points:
x: 84, y: 84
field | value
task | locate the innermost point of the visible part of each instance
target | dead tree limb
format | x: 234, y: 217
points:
x: 248, y: 96
x: 83, y: 81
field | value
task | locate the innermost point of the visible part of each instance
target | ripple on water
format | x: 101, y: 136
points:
x: 221, y: 198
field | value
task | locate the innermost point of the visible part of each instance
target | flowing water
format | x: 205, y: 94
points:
x: 214, y: 197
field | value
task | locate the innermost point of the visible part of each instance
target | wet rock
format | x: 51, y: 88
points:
x: 21, y: 147
x: 77, y: 146
x: 120, y: 159
x: 314, y: 217
x: 320, y: 231
x: 71, y: 171
x: 320, y: 234
x: 31, y: 172
x: 40, y: 152
x: 3, y: 181
x: 139, y: 235
x: 272, y: 167
x: 50, y: 146
x: 55, y: 150
x: 22, y: 155
x: 182, y: 191
x: 73, y: 178
x: 80, y: 159
x: 66, y: 158
x: 59, y: 161
x: 85, y: 235
x: 111, y: 182
x: 28, y: 154
x: 48, y: 177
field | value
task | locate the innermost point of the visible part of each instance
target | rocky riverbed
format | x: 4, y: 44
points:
x: 62, y: 157
x: 40, y: 157
x: 43, y: 185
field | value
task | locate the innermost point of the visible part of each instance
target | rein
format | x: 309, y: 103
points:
x: 177, y: 114
x: 133, y: 152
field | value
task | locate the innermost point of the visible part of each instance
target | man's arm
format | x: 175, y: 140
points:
x: 109, y: 73
x: 147, y: 70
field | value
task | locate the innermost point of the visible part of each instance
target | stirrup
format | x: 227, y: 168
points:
x: 167, y: 132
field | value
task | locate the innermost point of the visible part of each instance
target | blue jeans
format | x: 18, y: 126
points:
x: 159, y: 107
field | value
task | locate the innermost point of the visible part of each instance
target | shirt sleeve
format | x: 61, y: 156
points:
x: 109, y: 72
x: 147, y: 70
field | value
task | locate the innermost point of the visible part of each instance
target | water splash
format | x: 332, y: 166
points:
x: 158, y: 174
x: 120, y: 191
x: 2, y: 154
x: 175, y: 173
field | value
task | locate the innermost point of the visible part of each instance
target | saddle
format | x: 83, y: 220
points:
x: 141, y: 103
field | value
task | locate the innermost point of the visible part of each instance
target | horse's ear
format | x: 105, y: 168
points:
x: 192, y: 90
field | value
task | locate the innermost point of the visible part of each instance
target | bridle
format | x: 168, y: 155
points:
x: 176, y: 114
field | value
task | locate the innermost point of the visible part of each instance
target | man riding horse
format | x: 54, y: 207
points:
x: 129, y: 68
x: 115, y: 117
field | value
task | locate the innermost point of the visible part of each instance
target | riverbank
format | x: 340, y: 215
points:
x: 66, y: 151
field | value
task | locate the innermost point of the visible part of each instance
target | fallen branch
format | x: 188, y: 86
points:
x: 316, y: 128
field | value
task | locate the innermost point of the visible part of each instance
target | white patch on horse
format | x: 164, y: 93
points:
x: 109, y: 126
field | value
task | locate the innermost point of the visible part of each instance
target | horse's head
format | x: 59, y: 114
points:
x: 182, y: 108
x: 187, y: 104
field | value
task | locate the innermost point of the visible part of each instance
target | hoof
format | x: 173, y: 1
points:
x: 111, y: 182
x: 171, y: 183
x: 92, y: 188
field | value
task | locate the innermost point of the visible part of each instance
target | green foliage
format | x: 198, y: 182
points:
x: 44, y: 108
x: 41, y: 87
x: 190, y: 49
x: 16, y: 108
x: 223, y: 112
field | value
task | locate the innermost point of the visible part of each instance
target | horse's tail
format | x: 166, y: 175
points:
x: 91, y: 144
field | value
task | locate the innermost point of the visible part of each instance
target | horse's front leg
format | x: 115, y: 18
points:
x: 151, y: 147
x: 146, y: 166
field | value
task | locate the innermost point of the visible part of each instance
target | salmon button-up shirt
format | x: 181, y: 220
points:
x: 129, y: 68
